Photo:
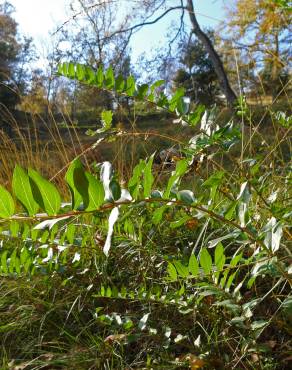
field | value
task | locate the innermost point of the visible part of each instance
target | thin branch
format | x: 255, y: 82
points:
x: 142, y: 24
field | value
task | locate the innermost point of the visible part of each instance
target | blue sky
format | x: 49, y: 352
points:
x: 37, y: 18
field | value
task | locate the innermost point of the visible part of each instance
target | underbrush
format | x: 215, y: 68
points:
x: 183, y: 262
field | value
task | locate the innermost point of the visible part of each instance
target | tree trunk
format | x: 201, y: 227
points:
x: 216, y: 61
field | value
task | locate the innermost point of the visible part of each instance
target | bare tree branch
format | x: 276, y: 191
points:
x: 147, y: 23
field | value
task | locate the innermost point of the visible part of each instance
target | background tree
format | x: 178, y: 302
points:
x: 35, y: 100
x: 86, y: 41
x: 14, y: 56
x: 141, y: 14
x: 261, y: 31
x: 9, y: 50
x: 197, y: 74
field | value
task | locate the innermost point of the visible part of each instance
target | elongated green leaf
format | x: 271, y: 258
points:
x: 109, y: 79
x: 157, y: 214
x: 14, y: 228
x: 180, y: 170
x: 44, y: 193
x: 7, y: 206
x: 60, y: 69
x: 148, y: 177
x: 12, y: 261
x: 219, y: 256
x: 171, y: 184
x: 70, y: 232
x: 90, y: 76
x: 22, y: 190
x: 75, y: 195
x: 181, y: 269
x: 182, y: 107
x: 80, y: 72
x: 180, y: 222
x: 195, y: 116
x: 134, y: 182
x: 179, y: 93
x: 99, y: 77
x: 206, y: 261
x: 120, y: 83
x: 81, y: 184
x: 142, y: 91
x: 156, y: 85
x: 71, y: 70
x: 106, y: 117
x: 95, y: 192
x: 115, y: 189
x: 193, y: 265
x: 172, y: 271
x: 235, y: 260
x: 214, y: 180
x: 4, y: 268
x: 130, y: 86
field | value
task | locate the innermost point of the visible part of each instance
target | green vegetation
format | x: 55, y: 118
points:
x: 186, y: 264
x: 147, y: 225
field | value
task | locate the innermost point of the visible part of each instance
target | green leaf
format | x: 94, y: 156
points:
x: 95, y: 192
x: 230, y: 212
x: 7, y: 205
x: 182, y: 270
x: 186, y: 196
x: 157, y: 214
x: 230, y: 280
x: 195, y: 117
x: 219, y: 257
x: 182, y: 107
x: 142, y: 91
x: 4, y: 268
x: 107, y: 118
x: 80, y: 72
x: 24, y: 255
x: 115, y: 189
x: 214, y: 180
x: 44, y: 193
x: 70, y: 232
x: 60, y: 69
x: 206, y: 261
x: 81, y: 184
x: 109, y: 78
x: 22, y: 190
x: 71, y: 70
x: 99, y: 77
x: 120, y: 83
x: 134, y: 183
x: 172, y: 271
x: 12, y: 261
x: 148, y: 177
x: 130, y: 86
x: 156, y: 85
x: 90, y: 76
x: 180, y: 92
x: 193, y: 265
x: 14, y: 228
x: 180, y: 222
x: 180, y: 170
x: 75, y: 195
x: 235, y: 260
